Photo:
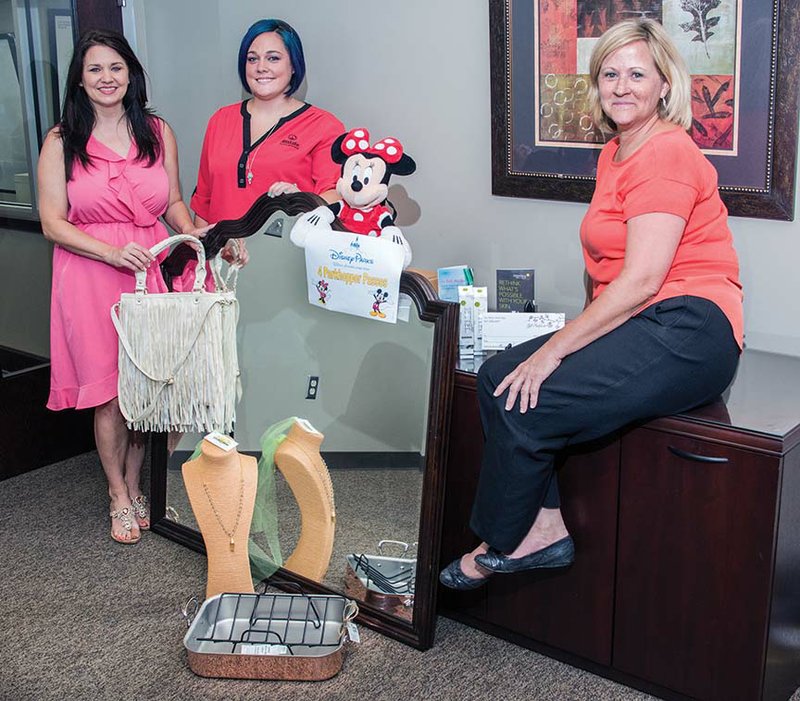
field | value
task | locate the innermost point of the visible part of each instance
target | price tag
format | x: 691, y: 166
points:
x: 264, y: 649
x: 352, y: 632
x: 221, y: 440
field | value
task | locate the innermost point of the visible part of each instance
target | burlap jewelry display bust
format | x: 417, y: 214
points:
x: 304, y: 470
x: 221, y: 486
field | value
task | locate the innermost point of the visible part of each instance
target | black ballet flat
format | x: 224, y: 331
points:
x: 453, y: 577
x: 559, y: 554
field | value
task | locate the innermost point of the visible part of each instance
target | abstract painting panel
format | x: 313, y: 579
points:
x: 705, y: 32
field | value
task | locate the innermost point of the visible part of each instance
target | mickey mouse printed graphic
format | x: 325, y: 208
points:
x: 363, y: 187
x: 322, y: 291
x: 380, y: 297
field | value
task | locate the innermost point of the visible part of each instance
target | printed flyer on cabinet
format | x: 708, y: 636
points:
x: 354, y: 274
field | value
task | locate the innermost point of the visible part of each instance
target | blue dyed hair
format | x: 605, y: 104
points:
x: 291, y: 40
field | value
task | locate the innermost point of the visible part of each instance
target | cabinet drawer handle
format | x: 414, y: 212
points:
x: 693, y: 456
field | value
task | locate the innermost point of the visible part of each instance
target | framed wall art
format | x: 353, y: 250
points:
x: 742, y: 56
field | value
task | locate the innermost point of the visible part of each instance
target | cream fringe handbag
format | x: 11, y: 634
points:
x: 178, y: 367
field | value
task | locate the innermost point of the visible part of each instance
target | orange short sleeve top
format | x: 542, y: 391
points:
x: 667, y: 174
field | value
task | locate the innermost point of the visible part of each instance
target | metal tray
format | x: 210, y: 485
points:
x: 268, y: 636
x: 385, y: 582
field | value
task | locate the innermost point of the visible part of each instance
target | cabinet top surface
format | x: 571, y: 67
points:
x: 764, y: 397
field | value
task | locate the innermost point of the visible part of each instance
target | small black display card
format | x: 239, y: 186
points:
x: 514, y: 289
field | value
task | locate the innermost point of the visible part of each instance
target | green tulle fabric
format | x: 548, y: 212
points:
x: 264, y: 528
x: 263, y: 546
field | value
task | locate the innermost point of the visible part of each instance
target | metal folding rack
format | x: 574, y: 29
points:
x: 397, y: 578
x: 299, y: 624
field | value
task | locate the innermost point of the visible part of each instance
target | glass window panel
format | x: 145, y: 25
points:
x: 36, y: 42
x: 14, y: 159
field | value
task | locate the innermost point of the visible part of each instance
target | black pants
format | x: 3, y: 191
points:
x: 673, y: 356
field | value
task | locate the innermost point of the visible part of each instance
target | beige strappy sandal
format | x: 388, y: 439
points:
x: 124, y: 517
x: 141, y: 512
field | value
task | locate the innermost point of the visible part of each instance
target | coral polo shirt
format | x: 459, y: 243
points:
x: 297, y: 150
x: 667, y: 174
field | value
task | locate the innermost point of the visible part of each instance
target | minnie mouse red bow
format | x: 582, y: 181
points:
x: 357, y: 141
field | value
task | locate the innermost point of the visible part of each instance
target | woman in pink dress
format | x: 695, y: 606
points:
x: 107, y: 172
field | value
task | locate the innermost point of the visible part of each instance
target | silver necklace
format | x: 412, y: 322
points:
x: 251, y: 159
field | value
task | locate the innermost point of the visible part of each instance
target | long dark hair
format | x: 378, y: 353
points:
x: 78, y: 117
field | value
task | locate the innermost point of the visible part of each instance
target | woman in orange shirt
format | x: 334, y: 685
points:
x: 662, y: 333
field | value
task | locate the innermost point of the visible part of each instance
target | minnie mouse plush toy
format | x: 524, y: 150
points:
x: 363, y: 187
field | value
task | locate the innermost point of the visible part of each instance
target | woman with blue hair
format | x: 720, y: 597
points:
x: 271, y: 142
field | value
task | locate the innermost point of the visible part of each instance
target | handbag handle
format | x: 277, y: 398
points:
x: 226, y: 283
x: 199, y: 272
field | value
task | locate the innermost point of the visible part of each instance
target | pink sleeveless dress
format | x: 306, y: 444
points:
x: 115, y: 200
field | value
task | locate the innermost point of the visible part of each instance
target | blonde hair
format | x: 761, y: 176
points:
x: 676, y: 106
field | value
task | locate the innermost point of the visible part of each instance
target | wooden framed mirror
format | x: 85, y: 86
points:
x: 382, y: 405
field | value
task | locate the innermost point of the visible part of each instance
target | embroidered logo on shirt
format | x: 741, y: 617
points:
x: 290, y: 141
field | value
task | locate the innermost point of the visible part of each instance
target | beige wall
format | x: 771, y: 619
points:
x: 418, y: 70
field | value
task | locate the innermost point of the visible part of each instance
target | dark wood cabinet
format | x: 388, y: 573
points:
x: 571, y: 609
x: 568, y: 609
x: 694, y: 560
x: 688, y: 561
x: 33, y: 435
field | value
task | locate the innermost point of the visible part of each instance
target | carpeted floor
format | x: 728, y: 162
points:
x: 86, y: 618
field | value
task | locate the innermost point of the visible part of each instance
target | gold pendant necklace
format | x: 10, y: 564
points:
x: 232, y: 532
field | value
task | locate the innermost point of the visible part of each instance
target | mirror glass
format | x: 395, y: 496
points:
x: 36, y: 42
x: 371, y: 405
